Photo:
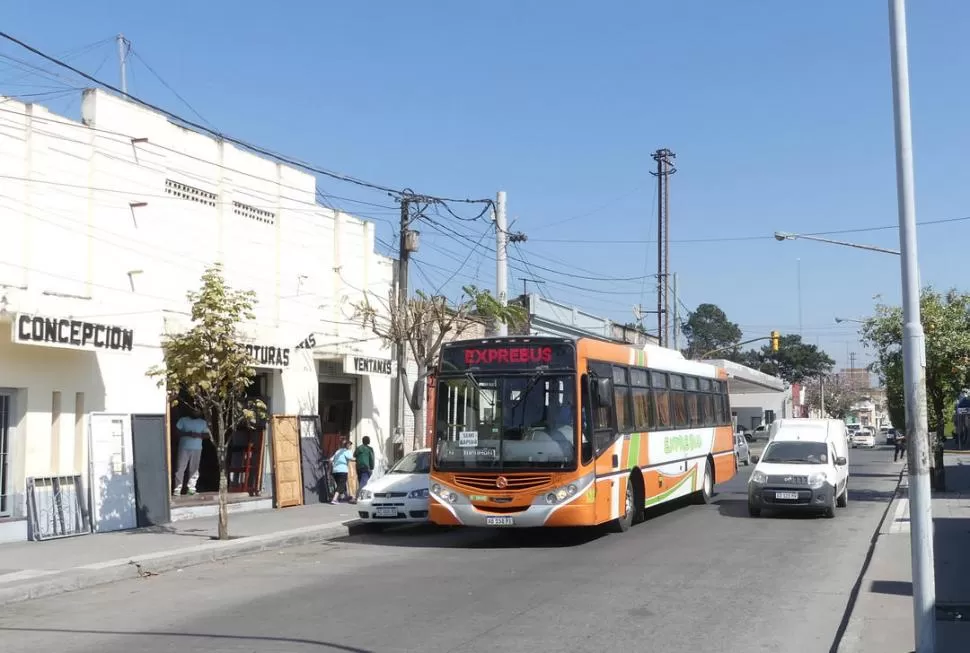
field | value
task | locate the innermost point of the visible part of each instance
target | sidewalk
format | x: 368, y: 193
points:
x: 882, y: 619
x: 34, y: 569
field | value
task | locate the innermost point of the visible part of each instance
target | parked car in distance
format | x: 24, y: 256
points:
x: 742, y: 452
x: 805, y: 466
x: 744, y: 431
x: 760, y: 432
x: 863, y: 438
x: 401, y: 495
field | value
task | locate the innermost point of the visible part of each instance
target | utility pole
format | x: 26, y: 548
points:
x: 407, y: 245
x: 676, y: 316
x: 665, y: 168
x: 821, y: 396
x: 501, y: 258
x: 122, y: 62
x: 914, y: 347
x: 800, y: 331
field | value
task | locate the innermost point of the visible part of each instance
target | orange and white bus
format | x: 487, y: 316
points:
x: 543, y: 431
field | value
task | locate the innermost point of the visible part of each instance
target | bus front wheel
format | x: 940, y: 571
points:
x: 625, y: 521
x: 706, y: 493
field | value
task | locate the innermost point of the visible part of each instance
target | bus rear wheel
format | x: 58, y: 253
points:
x: 706, y: 493
x: 625, y: 521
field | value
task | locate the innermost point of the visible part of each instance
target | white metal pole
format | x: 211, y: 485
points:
x: 676, y: 323
x: 501, y: 257
x: 914, y: 348
x: 800, y: 330
x: 122, y: 57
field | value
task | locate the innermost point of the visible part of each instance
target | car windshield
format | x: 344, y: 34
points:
x: 416, y: 462
x: 506, y: 422
x: 808, y: 453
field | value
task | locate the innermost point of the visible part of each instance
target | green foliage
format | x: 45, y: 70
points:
x: 795, y: 361
x: 708, y: 329
x: 946, y: 325
x: 207, y: 367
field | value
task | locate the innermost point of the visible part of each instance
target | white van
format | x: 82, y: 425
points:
x: 804, y: 467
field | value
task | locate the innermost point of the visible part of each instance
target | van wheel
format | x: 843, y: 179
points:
x: 843, y: 500
x: 622, y: 524
x: 753, y: 510
x: 830, y: 509
x: 706, y: 492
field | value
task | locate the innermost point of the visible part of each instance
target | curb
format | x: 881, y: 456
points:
x: 49, y: 583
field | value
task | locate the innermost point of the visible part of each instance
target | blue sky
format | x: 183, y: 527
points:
x: 780, y: 115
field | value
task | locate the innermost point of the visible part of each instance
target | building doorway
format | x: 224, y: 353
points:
x: 336, y: 401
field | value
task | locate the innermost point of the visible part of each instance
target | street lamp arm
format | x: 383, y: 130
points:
x: 733, y: 346
x: 782, y: 236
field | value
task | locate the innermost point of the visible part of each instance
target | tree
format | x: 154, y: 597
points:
x: 421, y: 324
x: 946, y: 324
x: 840, y: 396
x: 708, y: 329
x: 208, y: 368
x: 794, y: 361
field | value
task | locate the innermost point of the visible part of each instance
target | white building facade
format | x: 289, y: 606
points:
x: 107, y: 223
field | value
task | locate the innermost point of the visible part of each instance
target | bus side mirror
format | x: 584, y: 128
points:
x: 601, y: 392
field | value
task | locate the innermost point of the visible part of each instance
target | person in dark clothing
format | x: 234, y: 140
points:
x: 365, y: 461
x: 899, y: 450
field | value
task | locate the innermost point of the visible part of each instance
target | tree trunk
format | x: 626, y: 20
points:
x: 420, y: 426
x: 221, y: 447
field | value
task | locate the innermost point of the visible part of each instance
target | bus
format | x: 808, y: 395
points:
x: 546, y: 431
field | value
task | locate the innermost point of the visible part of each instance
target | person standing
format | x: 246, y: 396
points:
x: 193, y: 430
x: 365, y: 461
x: 340, y: 464
x: 899, y: 444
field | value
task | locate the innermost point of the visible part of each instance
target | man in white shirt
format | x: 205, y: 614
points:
x: 193, y: 431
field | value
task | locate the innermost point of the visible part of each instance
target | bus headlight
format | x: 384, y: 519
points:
x: 561, y: 494
x: 444, y: 493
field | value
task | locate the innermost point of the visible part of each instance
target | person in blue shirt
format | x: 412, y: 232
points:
x: 340, y: 463
x: 193, y: 430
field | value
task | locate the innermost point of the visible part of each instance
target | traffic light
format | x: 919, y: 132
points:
x: 775, y: 337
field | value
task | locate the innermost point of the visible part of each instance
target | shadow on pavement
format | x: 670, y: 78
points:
x: 876, y: 496
x: 739, y: 508
x: 873, y: 475
x: 200, y: 636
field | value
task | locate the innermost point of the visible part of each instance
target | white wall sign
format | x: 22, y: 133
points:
x: 70, y: 333
x: 269, y: 356
x: 368, y: 366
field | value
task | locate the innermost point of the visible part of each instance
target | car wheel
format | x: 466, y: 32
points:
x: 706, y: 492
x: 753, y: 510
x: 843, y: 500
x: 747, y: 460
x: 623, y: 523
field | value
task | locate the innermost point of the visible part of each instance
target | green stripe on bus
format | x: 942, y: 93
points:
x: 633, y: 457
x: 666, y: 493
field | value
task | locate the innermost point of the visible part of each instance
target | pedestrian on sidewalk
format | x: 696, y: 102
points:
x: 340, y: 463
x: 899, y: 447
x: 193, y: 430
x: 364, y: 456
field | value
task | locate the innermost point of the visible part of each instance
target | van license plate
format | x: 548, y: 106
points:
x: 792, y: 496
x: 498, y: 521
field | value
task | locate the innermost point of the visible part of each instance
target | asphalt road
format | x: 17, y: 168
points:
x: 692, y: 578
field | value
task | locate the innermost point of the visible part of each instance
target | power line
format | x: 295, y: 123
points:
x: 249, y: 146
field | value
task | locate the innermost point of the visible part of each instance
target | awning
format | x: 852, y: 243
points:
x: 745, y: 380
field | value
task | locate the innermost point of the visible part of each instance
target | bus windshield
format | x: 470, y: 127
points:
x: 506, y: 422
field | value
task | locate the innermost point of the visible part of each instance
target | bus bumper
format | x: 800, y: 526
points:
x: 578, y: 510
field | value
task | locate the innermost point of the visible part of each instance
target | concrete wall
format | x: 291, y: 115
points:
x: 113, y: 219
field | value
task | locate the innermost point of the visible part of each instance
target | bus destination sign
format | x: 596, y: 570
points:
x: 521, y: 356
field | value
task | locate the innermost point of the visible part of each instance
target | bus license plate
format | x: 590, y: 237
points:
x: 793, y: 496
x: 498, y: 521
x: 386, y: 512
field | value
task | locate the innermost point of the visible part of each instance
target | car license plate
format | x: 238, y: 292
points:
x: 386, y: 512
x: 498, y: 521
x: 786, y: 495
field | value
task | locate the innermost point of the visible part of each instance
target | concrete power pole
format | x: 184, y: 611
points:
x: 501, y: 258
x: 408, y: 244
x: 665, y: 168
x: 123, y: 62
x: 914, y: 347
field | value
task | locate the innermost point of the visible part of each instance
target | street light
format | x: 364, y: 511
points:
x: 840, y: 320
x: 784, y: 235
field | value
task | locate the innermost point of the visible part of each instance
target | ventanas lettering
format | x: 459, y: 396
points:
x: 682, y: 443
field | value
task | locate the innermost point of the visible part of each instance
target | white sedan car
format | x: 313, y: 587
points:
x: 401, y: 495
x: 863, y: 438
